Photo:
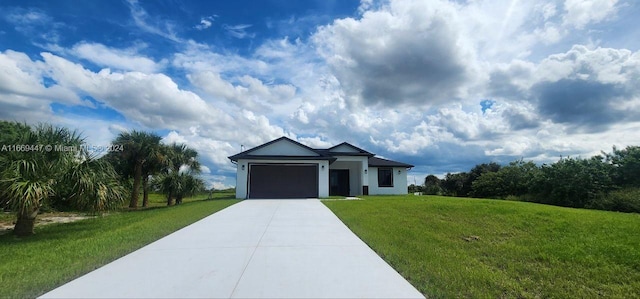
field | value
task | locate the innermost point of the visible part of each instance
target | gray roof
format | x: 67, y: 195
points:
x: 379, y: 162
x: 323, y: 154
x: 246, y: 154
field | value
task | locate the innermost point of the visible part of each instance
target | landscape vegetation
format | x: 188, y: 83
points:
x: 610, y: 181
x: 444, y: 244
x: 47, y: 167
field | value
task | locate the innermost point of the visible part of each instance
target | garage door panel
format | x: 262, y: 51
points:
x: 283, y: 181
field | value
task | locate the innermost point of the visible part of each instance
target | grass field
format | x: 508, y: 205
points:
x: 471, y: 248
x: 60, y: 252
x: 160, y: 200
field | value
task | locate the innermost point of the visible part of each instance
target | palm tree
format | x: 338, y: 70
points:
x: 29, y: 178
x: 177, y: 157
x: 178, y: 184
x: 180, y: 155
x: 190, y: 185
x: 140, y: 150
x: 154, y: 165
x: 96, y: 186
x: 10, y: 134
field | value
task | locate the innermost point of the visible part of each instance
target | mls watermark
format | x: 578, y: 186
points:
x: 61, y: 148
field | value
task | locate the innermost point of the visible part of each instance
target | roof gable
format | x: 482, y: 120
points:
x: 282, y: 146
x: 348, y: 149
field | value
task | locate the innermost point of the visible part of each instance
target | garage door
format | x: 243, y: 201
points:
x: 283, y: 181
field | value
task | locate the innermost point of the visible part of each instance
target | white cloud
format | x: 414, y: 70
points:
x: 36, y: 25
x: 579, y: 13
x: 205, y: 22
x: 239, y: 31
x: 155, y: 26
x: 248, y: 93
x: 315, y: 142
x: 121, y: 59
x: 605, y: 65
x: 203, y: 58
x: 406, y: 52
x: 20, y: 75
x: 219, y: 185
x: 548, y: 10
x: 154, y: 100
x: 205, y: 169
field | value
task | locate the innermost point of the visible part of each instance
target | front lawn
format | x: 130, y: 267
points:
x: 59, y: 253
x: 473, y: 248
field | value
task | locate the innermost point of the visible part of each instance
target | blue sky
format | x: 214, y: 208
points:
x: 443, y: 85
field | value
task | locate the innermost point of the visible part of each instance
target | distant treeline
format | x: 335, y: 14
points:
x: 610, y: 181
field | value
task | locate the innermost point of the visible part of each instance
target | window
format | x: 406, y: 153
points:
x: 385, y: 177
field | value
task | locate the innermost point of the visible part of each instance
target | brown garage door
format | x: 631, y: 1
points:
x: 283, y: 181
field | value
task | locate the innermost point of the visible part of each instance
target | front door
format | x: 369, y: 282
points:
x: 339, y: 182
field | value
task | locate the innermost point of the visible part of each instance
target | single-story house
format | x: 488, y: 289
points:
x: 284, y: 168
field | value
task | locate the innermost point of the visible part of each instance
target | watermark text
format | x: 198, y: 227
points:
x: 60, y: 148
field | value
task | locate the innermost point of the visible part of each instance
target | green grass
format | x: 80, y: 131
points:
x: 472, y: 248
x: 59, y: 253
x: 160, y: 200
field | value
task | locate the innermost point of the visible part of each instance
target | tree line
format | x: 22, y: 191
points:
x: 610, y: 181
x: 46, y: 166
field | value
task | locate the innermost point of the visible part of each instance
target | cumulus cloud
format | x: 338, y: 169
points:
x: 217, y: 185
x: 582, y: 87
x: 121, y: 59
x: 151, y: 100
x: 578, y: 102
x: 579, y: 13
x: 249, y: 93
x: 203, y: 58
x: 521, y: 115
x: 315, y: 142
x: 22, y: 76
x: 154, y: 100
x: 406, y: 52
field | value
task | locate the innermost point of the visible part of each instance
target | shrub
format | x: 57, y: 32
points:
x: 625, y: 200
x: 573, y: 182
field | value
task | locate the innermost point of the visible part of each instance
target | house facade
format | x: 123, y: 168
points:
x: 284, y: 168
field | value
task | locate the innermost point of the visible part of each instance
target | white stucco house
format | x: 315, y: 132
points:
x: 284, y: 168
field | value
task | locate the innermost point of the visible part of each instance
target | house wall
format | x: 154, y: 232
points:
x: 399, y: 182
x: 242, y: 175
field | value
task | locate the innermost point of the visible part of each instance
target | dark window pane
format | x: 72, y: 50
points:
x: 385, y: 177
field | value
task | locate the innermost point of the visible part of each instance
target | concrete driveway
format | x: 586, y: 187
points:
x: 253, y: 249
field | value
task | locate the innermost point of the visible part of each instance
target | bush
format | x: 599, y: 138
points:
x: 625, y: 200
x: 573, y: 182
